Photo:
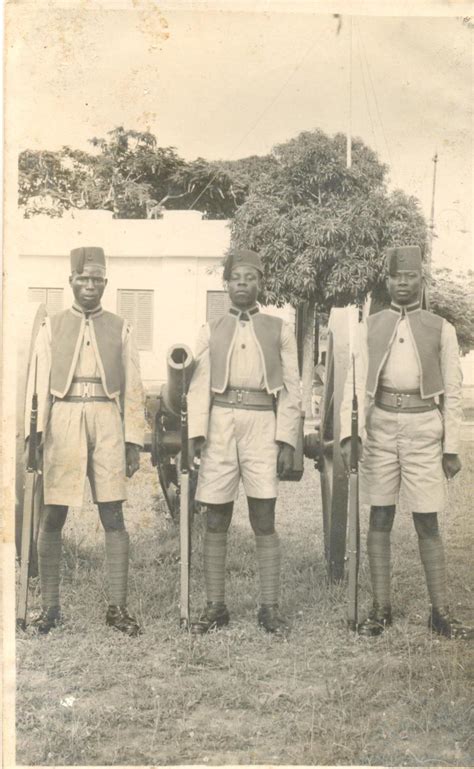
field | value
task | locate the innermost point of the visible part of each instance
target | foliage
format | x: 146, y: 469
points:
x: 452, y: 296
x: 321, y: 228
x: 129, y: 174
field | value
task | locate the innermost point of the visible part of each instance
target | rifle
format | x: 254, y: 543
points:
x: 353, y: 516
x: 28, y: 508
x: 184, y: 513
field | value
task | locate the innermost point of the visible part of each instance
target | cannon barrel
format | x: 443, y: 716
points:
x: 180, y: 364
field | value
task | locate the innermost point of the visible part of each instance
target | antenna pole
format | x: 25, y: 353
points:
x: 349, y: 120
x: 430, y: 251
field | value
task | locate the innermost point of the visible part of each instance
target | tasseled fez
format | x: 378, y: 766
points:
x: 242, y: 257
x: 88, y: 255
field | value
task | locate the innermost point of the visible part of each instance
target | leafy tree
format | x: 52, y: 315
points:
x: 129, y: 174
x: 451, y: 295
x: 321, y: 228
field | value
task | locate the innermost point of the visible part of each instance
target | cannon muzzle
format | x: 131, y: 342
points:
x: 180, y: 364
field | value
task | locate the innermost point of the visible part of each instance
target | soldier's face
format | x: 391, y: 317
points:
x: 88, y: 286
x: 405, y: 286
x: 243, y: 286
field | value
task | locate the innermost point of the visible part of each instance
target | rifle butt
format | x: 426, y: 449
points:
x: 26, y: 541
x: 353, y: 552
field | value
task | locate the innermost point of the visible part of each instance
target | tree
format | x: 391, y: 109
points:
x: 321, y: 228
x: 129, y: 174
x: 452, y: 296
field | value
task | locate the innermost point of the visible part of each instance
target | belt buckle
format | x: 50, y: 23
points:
x: 240, y: 396
x: 85, y: 390
x: 399, y: 401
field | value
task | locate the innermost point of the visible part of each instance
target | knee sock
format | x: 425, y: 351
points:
x: 378, y: 550
x: 268, y: 559
x: 215, y: 550
x: 49, y: 559
x: 116, y: 552
x: 432, y: 558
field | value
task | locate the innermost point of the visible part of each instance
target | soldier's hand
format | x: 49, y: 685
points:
x: 285, y: 460
x: 451, y: 465
x: 132, y: 459
x: 346, y: 452
x: 194, y: 448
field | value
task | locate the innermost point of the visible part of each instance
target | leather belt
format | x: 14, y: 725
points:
x: 86, y: 389
x: 407, y: 400
x: 259, y: 400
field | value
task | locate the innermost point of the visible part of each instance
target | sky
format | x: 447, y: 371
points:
x: 228, y: 84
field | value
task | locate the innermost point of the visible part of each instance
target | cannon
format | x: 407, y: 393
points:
x: 163, y: 409
x: 322, y: 445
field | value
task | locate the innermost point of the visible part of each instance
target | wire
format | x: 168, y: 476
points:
x: 260, y: 116
x: 392, y: 167
x: 365, y: 91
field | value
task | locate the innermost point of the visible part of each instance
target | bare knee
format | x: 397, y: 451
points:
x: 111, y: 516
x: 381, y: 517
x: 426, y: 525
x: 262, y: 515
x: 218, y: 517
x: 53, y: 517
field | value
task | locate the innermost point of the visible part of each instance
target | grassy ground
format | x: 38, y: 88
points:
x: 87, y: 695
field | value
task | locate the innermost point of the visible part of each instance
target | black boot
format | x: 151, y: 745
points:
x: 442, y: 622
x: 214, y: 616
x: 47, y: 619
x: 379, y: 618
x: 119, y: 618
x: 269, y: 618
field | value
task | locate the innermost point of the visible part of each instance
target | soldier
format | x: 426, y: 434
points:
x: 90, y: 413
x: 244, y: 411
x: 408, y: 371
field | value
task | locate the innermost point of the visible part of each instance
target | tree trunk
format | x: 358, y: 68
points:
x: 308, y: 357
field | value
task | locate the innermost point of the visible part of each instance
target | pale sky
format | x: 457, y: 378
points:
x: 223, y: 84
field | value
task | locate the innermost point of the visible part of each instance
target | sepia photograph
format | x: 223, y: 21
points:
x: 237, y: 383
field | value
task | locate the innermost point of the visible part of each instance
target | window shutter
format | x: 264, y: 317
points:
x: 54, y: 300
x: 137, y: 307
x: 51, y: 297
x: 37, y: 295
x: 144, y: 325
x: 218, y: 303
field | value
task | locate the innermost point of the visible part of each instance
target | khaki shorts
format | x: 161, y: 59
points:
x: 403, y: 460
x: 84, y: 440
x: 240, y: 445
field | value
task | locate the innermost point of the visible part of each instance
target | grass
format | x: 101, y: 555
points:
x: 88, y: 696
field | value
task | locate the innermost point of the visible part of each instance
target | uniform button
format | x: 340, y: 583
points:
x: 88, y: 343
x: 401, y: 340
x: 243, y: 347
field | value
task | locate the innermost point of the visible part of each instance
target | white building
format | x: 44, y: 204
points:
x: 164, y: 275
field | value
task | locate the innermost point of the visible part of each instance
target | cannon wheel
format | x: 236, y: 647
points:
x: 334, y: 487
x: 32, y: 318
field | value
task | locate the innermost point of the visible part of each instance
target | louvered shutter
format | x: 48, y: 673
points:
x: 51, y: 297
x: 136, y: 306
x: 218, y: 303
x: 54, y: 300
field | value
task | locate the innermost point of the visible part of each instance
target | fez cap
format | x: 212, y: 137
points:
x: 246, y: 257
x: 88, y: 255
x: 403, y: 258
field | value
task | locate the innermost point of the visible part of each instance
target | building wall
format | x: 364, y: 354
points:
x: 179, y: 258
